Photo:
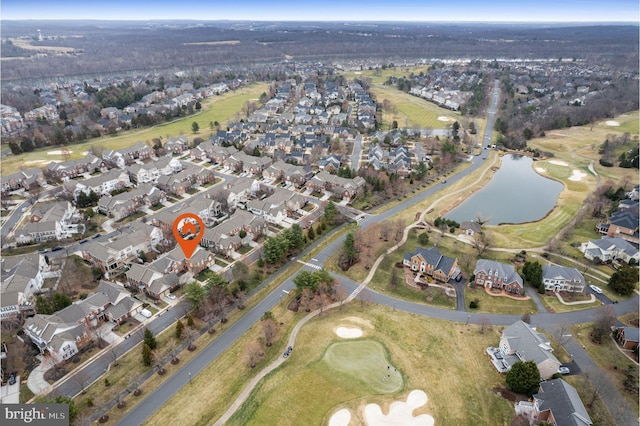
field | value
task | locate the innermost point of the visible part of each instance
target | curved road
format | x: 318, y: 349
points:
x: 173, y: 384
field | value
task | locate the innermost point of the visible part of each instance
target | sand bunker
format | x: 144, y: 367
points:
x: 348, y: 332
x: 558, y: 163
x: 611, y: 123
x: 400, y: 413
x: 340, y: 418
x: 445, y: 119
x: 57, y: 152
x: 540, y: 170
x: 577, y: 176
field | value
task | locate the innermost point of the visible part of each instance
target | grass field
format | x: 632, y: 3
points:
x: 427, y: 354
x: 497, y: 305
x: 610, y: 360
x: 221, y: 108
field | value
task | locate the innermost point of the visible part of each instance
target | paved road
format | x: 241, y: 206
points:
x: 357, y: 152
x: 173, y: 385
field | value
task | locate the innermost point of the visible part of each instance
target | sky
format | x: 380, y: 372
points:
x: 329, y: 10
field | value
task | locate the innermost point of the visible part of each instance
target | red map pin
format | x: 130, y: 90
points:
x: 188, y: 229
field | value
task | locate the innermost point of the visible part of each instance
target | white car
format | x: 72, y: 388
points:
x: 171, y: 296
x: 564, y: 370
x: 595, y: 289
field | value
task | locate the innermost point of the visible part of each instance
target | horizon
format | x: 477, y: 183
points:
x: 409, y: 11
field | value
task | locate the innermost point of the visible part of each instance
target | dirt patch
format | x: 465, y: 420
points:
x: 510, y: 395
x: 612, y: 123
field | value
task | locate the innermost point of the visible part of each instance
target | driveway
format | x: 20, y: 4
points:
x: 10, y: 394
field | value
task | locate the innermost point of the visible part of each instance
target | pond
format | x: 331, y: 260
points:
x: 515, y: 194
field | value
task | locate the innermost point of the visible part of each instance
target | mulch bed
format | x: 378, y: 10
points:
x: 137, y: 392
x: 510, y: 395
x: 174, y: 361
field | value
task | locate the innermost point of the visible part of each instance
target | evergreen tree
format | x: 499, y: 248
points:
x: 179, y: 329
x: 147, y: 355
x: 524, y: 377
x: 149, y: 340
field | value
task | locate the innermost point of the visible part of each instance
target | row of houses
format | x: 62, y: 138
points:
x: 490, y: 273
x: 556, y: 402
x: 49, y: 221
x: 69, y: 330
x: 22, y: 279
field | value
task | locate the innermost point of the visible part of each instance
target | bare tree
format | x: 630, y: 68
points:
x: 251, y: 353
x: 481, y: 242
x: 98, y: 333
x: 604, y: 319
x: 306, y: 299
x: 269, y: 331
x: 562, y: 332
x: 598, y: 385
x: 526, y: 317
x: 484, y: 324
x: 364, y: 297
x: 113, y: 355
x: 321, y: 300
x: 190, y: 336
x: 340, y: 293
x: 81, y: 378
x: 52, y: 363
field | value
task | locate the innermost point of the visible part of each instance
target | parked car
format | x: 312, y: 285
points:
x: 595, y: 289
x: 57, y: 248
x: 564, y: 370
x: 96, y: 236
x: 444, y: 181
x: 12, y: 379
x: 146, y: 313
x: 171, y: 296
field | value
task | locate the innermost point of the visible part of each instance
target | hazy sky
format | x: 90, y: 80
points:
x: 328, y: 10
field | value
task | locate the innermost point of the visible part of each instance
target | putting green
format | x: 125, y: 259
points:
x: 364, y: 361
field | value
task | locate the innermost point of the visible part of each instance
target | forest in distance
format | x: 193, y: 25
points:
x: 82, y: 48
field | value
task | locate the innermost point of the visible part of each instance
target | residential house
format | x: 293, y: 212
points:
x: 69, y: 169
x: 241, y: 190
x: 24, y: 179
x: 50, y: 221
x: 113, y: 255
x: 344, y: 188
x: 225, y: 238
x: 557, y: 403
x: 470, y: 228
x: 154, y: 283
x: 489, y: 273
x: 298, y: 175
x: 127, y: 203
x: 150, y: 172
x: 247, y: 163
x: 431, y: 262
x: 561, y: 278
x: 628, y: 337
x: 522, y: 342
x: 126, y: 156
x: 64, y: 333
x: 177, y: 145
x: 623, y: 224
x: 219, y: 153
x: 21, y: 278
x: 103, y: 184
x: 275, y: 207
x: 204, y: 151
x: 610, y: 248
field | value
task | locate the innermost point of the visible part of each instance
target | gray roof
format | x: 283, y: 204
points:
x: 563, y: 401
x: 490, y: 267
x: 433, y: 257
x: 632, y: 334
x: 610, y: 243
x: 562, y: 273
x: 530, y: 345
x: 626, y: 219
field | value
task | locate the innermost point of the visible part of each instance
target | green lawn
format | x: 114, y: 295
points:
x: 223, y: 108
x: 497, y: 305
x: 426, y: 353
x: 552, y: 304
x: 610, y: 359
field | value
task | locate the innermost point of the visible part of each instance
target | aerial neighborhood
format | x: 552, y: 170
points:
x: 328, y: 203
